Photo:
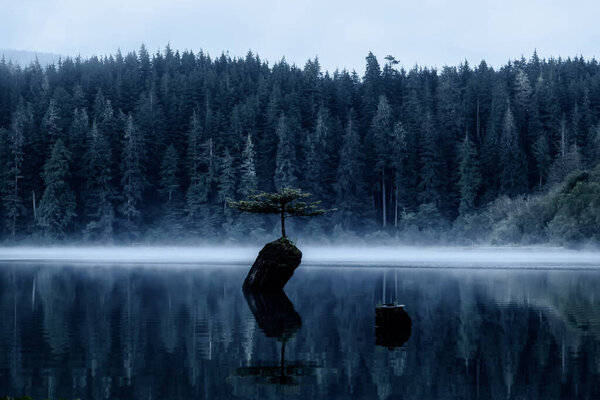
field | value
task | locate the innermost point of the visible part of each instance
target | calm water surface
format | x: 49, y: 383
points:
x: 169, y: 332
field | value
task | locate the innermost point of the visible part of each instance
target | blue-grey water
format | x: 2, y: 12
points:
x: 169, y: 332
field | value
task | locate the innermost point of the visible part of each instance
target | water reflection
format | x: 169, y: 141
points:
x: 277, y: 318
x: 155, y: 333
x: 392, y: 326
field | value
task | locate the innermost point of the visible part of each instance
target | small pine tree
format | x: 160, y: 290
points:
x: 285, y: 202
x: 57, y: 207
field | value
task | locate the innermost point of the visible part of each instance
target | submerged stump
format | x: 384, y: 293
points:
x: 274, y: 266
x: 392, y: 325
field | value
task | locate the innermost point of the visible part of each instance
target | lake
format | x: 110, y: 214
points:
x: 151, y: 331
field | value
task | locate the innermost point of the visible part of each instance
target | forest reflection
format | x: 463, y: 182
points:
x: 165, y: 332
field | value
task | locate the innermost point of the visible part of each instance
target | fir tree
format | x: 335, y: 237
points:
x: 13, y: 203
x: 133, y: 178
x: 316, y: 157
x: 543, y: 158
x: 57, y: 206
x: 226, y: 186
x: 169, y: 180
x: 470, y: 176
x: 99, y: 192
x: 51, y: 122
x: 285, y: 161
x: 401, y: 167
x: 381, y: 131
x: 430, y: 158
x: 248, y: 183
x: 513, y: 176
x: 169, y: 189
x: 350, y: 184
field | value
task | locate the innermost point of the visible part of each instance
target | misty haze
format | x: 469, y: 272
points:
x: 305, y: 200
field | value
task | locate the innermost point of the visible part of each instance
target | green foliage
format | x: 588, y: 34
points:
x: 285, y: 162
x: 286, y: 202
x: 470, y: 177
x: 57, y: 207
x: 148, y: 134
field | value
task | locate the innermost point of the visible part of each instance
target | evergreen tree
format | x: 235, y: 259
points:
x: 133, y: 177
x: 226, y: 186
x: 13, y: 203
x: 57, y: 206
x: 317, y: 157
x: 592, y: 155
x: 470, y: 176
x: 169, y: 180
x: 4, y: 174
x: 513, y: 176
x: 169, y: 189
x: 99, y: 192
x: 248, y: 182
x: 285, y: 161
x: 401, y: 168
x: 543, y: 158
x: 350, y: 185
x: 200, y: 172
x: 51, y: 122
x: 430, y: 160
x: 381, y: 131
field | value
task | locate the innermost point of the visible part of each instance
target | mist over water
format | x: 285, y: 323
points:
x: 504, y: 257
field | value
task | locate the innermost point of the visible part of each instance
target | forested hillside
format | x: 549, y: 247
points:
x: 151, y: 146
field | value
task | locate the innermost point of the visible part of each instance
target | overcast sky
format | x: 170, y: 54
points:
x: 341, y: 33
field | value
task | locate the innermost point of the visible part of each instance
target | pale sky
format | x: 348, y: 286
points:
x: 341, y: 33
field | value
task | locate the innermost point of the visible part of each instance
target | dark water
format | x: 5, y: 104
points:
x: 190, y: 333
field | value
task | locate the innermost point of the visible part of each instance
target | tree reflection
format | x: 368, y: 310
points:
x: 276, y: 317
x: 163, y: 332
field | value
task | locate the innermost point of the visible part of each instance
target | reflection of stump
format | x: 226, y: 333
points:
x: 392, y: 325
x: 276, y: 317
x: 274, y: 266
x: 274, y: 313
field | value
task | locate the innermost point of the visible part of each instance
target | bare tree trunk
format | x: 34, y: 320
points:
x: 396, y: 208
x: 16, y: 196
x: 383, y: 197
x: 34, y: 207
x: 282, y: 222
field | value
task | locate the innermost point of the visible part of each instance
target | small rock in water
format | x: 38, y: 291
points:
x: 274, y: 266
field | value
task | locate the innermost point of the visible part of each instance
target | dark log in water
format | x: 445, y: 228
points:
x: 273, y: 267
x: 392, y: 325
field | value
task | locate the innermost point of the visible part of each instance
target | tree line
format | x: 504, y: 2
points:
x: 138, y: 146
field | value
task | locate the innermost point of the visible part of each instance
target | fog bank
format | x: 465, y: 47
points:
x: 501, y: 257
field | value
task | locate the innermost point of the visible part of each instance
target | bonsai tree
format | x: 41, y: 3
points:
x: 285, y: 202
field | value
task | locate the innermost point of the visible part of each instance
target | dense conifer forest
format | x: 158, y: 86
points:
x: 150, y: 147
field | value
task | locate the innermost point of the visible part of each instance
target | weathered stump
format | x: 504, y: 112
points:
x: 392, y: 325
x: 273, y: 267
